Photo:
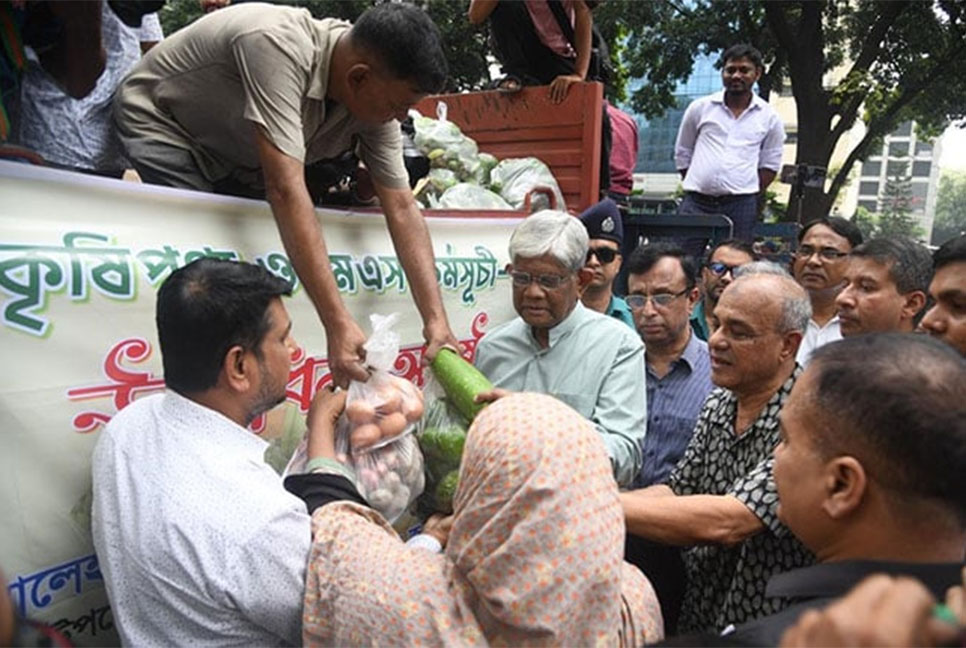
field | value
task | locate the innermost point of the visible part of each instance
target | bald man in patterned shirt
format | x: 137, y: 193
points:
x: 720, y: 501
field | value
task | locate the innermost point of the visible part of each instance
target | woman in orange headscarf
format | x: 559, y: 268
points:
x: 534, y: 557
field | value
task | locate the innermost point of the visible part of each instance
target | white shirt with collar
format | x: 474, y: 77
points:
x: 816, y: 336
x: 722, y: 153
x: 197, y: 540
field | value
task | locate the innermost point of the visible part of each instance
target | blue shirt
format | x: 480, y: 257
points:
x: 619, y: 310
x: 593, y: 363
x: 674, y: 403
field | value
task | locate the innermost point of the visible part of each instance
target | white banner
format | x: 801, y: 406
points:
x: 80, y: 260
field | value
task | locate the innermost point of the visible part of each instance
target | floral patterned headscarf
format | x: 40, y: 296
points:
x: 534, y: 556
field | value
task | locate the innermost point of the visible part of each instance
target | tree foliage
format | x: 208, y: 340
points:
x: 950, y: 218
x: 464, y: 45
x: 895, y: 208
x: 899, y: 60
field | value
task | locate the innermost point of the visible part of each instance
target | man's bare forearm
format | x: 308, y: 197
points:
x: 300, y: 232
x: 661, y: 516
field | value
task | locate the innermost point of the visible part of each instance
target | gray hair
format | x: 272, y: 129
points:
x: 556, y: 233
x: 796, y: 305
x: 761, y: 267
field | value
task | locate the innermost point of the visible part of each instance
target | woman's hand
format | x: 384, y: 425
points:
x: 324, y: 412
x: 439, y: 526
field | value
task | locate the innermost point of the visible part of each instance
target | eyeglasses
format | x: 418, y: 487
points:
x: 636, y: 302
x: 604, y: 254
x: 548, y: 282
x: 827, y: 253
x: 717, y: 268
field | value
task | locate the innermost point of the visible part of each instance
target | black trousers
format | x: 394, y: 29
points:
x: 664, y: 567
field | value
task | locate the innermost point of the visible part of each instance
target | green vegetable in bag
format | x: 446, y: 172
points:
x: 461, y: 381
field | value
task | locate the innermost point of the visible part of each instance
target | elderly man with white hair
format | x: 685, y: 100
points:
x: 720, y: 502
x: 557, y: 346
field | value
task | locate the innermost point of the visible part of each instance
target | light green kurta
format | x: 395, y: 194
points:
x: 594, y: 363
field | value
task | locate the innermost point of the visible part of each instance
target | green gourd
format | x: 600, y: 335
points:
x: 461, y: 381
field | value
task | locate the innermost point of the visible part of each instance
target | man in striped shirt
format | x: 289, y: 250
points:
x: 662, y: 292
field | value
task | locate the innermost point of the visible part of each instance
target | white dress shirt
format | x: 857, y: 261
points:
x: 723, y: 154
x: 198, y: 541
x: 816, y: 336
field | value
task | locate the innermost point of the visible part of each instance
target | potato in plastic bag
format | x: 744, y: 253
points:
x: 385, y: 407
x: 390, y: 477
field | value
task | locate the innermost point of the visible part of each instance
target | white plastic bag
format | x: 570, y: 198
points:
x: 445, y: 145
x: 375, y: 434
x: 513, y: 178
x: 470, y: 196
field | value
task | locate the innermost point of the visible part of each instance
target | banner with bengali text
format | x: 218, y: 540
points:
x: 80, y: 261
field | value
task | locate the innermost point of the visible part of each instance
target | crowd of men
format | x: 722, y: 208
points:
x: 778, y: 433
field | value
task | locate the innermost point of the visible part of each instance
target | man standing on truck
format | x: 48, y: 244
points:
x: 241, y: 101
x: 729, y: 145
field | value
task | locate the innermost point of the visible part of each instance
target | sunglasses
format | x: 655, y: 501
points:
x: 718, y: 269
x: 604, y: 254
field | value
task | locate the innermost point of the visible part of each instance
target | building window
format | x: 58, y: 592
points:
x: 791, y: 136
x: 923, y: 148
x: 870, y: 205
x: 921, y: 169
x: 868, y: 188
x: 898, y: 149
x: 896, y: 168
x: 904, y: 129
x: 871, y: 169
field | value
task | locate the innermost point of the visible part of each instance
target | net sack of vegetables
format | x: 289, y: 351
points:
x: 375, y: 434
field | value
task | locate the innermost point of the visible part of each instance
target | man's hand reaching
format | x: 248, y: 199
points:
x: 346, y: 354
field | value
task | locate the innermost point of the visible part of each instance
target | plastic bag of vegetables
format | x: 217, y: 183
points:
x: 514, y: 178
x: 375, y: 434
x: 389, y: 476
x: 451, y: 406
x: 441, y: 435
x: 445, y: 145
x: 470, y: 196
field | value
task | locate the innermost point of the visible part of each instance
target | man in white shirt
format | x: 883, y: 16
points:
x: 197, y: 539
x: 819, y: 267
x: 729, y: 145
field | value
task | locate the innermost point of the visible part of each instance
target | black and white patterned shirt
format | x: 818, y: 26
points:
x: 727, y: 584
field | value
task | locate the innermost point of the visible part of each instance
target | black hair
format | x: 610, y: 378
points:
x: 952, y: 251
x: 406, y: 43
x: 734, y: 244
x: 646, y: 256
x: 204, y: 309
x: 844, y: 228
x: 742, y: 50
x: 897, y: 402
x: 910, y: 264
